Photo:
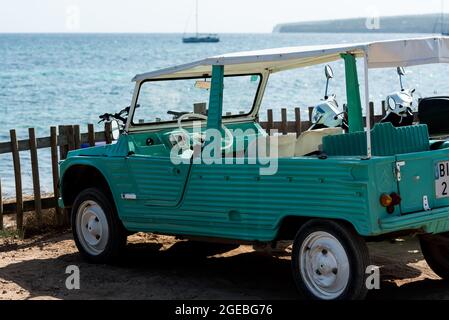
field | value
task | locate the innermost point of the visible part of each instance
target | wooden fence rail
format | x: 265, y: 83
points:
x: 60, y: 142
x: 66, y: 138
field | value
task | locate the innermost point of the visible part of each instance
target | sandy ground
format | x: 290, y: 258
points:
x: 159, y: 267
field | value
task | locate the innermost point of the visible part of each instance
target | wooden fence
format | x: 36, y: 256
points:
x: 66, y: 138
x: 61, y: 140
x: 298, y: 125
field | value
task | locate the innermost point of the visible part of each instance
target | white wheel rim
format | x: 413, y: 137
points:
x: 92, y: 227
x: 324, y: 265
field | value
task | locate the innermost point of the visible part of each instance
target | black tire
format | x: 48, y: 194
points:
x: 349, y: 246
x: 114, y: 243
x: 436, y: 253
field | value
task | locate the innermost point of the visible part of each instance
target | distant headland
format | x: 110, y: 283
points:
x: 425, y: 23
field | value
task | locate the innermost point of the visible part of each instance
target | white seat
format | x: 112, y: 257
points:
x: 284, y: 144
x: 311, y: 141
x: 288, y: 146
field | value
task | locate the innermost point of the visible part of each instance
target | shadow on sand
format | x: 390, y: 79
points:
x: 185, y: 271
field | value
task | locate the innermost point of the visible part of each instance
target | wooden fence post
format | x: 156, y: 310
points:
x: 55, y: 171
x: 284, y: 121
x: 77, y: 137
x: 18, y: 178
x: 298, y: 122
x: 91, y: 134
x: 35, y: 174
x: 62, y: 142
x: 269, y: 121
x: 310, y: 114
x: 1, y: 206
x: 70, y: 133
x: 107, y: 132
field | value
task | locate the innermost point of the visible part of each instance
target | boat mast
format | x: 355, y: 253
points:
x: 196, y: 17
x: 442, y: 16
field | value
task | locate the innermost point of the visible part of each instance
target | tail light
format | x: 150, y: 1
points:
x: 389, y: 201
x: 386, y: 200
x: 396, y: 199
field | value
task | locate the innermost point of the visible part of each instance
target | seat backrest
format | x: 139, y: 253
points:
x: 311, y: 141
x: 386, y: 141
x: 434, y: 112
x: 284, y: 144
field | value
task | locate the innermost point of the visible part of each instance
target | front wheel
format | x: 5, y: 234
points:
x: 435, y: 249
x: 98, y: 233
x: 329, y: 261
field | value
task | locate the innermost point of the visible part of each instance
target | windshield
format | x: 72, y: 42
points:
x: 167, y: 100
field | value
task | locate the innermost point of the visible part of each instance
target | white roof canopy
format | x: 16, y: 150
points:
x: 381, y: 54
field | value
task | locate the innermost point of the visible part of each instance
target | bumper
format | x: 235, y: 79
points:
x: 434, y: 221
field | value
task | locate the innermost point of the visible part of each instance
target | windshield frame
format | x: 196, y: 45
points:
x: 168, y: 122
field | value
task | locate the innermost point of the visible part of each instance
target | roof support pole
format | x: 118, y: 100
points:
x: 133, y: 106
x: 355, y: 118
x: 367, y: 111
x: 215, y: 111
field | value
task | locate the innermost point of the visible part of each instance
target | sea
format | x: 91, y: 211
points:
x: 55, y: 79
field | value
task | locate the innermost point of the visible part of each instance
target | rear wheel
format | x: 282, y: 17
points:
x: 329, y: 261
x: 98, y: 233
x: 435, y: 250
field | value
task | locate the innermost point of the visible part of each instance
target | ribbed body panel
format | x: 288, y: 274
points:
x: 386, y: 141
x: 236, y: 201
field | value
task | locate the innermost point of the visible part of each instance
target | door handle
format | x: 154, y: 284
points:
x: 175, y: 171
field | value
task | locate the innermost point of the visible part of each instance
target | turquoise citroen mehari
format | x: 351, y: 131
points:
x: 331, y: 190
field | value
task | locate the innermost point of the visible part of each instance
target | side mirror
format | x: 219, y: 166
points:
x: 329, y: 72
x: 115, y: 130
x: 329, y: 75
x: 401, y: 71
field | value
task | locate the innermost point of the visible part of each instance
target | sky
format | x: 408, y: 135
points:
x: 173, y: 16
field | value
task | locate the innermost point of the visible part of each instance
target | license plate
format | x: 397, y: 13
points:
x: 442, y: 179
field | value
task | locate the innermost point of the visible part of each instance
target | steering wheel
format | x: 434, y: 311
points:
x: 227, y: 132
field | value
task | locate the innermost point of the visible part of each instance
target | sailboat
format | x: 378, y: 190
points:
x: 198, y: 38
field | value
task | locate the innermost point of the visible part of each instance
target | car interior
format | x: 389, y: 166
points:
x: 159, y: 143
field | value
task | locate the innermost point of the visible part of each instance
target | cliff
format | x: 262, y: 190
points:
x: 426, y: 23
